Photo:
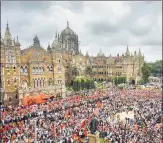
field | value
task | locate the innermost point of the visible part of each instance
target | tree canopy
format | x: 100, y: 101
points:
x: 146, y: 72
x: 155, y: 68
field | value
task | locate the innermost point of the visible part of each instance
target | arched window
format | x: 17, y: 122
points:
x: 14, y: 80
x: 10, y: 99
x: 33, y: 70
x: 16, y: 96
x: 50, y: 81
x: 37, y: 70
x: 21, y: 69
x: 8, y: 81
x: 25, y: 69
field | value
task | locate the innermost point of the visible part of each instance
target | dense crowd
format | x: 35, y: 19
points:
x: 67, y: 120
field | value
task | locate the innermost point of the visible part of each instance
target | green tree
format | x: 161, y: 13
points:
x: 155, y: 67
x: 119, y: 79
x: 78, y: 85
x: 75, y: 71
x: 146, y: 72
x: 89, y: 71
x: 82, y: 84
x: 74, y: 86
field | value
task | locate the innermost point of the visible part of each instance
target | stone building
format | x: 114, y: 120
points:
x: 36, y: 69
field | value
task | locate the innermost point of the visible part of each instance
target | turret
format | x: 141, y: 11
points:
x: 58, y: 36
x: 127, y: 52
x: 87, y: 54
x: 7, y: 37
x: 49, y: 48
x: 36, y: 42
x: 17, y: 41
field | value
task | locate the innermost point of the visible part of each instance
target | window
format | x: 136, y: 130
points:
x: 8, y: 81
x: 10, y: 99
x: 16, y: 96
x: 50, y: 81
x: 14, y: 80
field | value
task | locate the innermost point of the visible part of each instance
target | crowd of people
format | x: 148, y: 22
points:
x: 67, y: 120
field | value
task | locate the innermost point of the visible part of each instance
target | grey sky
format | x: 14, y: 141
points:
x: 106, y: 25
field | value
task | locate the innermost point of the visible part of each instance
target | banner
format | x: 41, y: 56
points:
x: 38, y: 99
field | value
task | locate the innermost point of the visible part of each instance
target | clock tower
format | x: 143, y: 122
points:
x: 10, y: 66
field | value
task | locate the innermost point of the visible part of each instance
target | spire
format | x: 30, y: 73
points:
x: 87, y: 54
x: 135, y: 53
x: 56, y: 35
x: 36, y: 42
x: 67, y: 24
x: 7, y: 37
x: 48, y: 48
x: 17, y: 41
x: 127, y: 51
x: 110, y: 55
x: 14, y: 40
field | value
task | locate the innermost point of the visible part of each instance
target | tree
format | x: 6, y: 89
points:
x: 82, y: 84
x: 78, y: 85
x: 156, y: 68
x: 119, y: 79
x: 89, y: 71
x: 75, y: 71
x: 74, y: 86
x: 146, y: 72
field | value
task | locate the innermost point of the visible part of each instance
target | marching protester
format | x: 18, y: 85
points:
x: 67, y: 120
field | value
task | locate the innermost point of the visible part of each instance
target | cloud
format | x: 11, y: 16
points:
x: 101, y: 24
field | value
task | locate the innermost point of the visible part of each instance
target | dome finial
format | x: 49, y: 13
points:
x: 67, y: 24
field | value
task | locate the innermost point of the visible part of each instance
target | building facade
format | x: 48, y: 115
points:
x: 25, y: 71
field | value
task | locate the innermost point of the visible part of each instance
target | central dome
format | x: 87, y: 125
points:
x: 100, y: 54
x: 67, y: 32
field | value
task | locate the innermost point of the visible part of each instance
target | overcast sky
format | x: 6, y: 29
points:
x: 106, y: 25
